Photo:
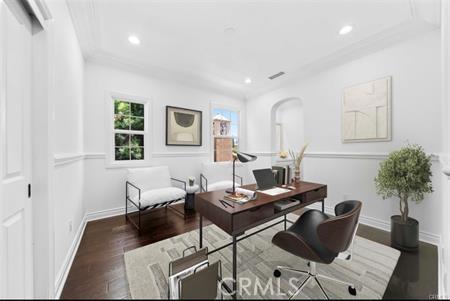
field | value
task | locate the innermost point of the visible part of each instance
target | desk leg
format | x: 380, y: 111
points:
x: 323, y: 206
x: 200, y: 231
x: 285, y: 223
x: 234, y: 268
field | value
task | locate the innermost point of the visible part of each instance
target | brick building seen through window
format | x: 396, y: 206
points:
x: 225, y: 129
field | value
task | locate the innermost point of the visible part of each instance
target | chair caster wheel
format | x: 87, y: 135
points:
x: 276, y: 273
x: 352, y: 290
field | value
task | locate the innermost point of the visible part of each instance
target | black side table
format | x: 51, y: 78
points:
x: 189, y: 201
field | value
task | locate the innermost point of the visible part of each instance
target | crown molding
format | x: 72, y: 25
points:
x: 86, y: 20
x: 391, y: 36
x: 193, y: 80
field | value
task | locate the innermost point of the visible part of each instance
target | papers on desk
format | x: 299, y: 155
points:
x: 275, y: 191
x: 242, y: 196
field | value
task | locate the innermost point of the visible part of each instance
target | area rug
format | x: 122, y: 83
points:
x: 370, y: 269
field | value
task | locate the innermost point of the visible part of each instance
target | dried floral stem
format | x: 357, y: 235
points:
x: 298, y: 157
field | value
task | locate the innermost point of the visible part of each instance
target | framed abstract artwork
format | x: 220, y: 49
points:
x: 366, y: 112
x: 183, y: 127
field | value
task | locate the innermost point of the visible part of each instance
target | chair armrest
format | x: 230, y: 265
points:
x: 179, y: 181
x: 202, y: 188
x: 131, y: 185
x: 239, y: 177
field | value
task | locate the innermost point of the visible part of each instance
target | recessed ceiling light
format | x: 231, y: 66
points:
x: 134, y: 40
x: 346, y: 29
x: 248, y: 80
x: 229, y: 30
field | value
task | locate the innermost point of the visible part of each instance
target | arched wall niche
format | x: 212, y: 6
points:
x: 287, y: 126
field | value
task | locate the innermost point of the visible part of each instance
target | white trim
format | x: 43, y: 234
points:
x: 96, y: 215
x: 85, y: 18
x: 180, y: 154
x: 222, y: 106
x: 371, y: 44
x: 442, y: 271
x: 343, y: 155
x: 70, y: 256
x: 67, y: 158
x: 61, y: 277
x: 110, y: 162
x: 102, y: 214
x: 380, y: 224
x: 94, y: 156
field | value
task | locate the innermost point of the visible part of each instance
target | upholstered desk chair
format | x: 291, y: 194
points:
x: 150, y: 188
x: 319, y: 238
x: 219, y: 175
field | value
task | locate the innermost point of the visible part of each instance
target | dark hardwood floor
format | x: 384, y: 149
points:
x: 98, y: 270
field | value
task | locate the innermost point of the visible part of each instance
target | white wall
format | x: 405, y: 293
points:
x: 105, y: 187
x: 290, y: 114
x: 67, y: 123
x: 415, y: 69
x: 444, y: 260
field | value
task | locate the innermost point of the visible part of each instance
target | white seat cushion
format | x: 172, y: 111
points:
x: 161, y: 195
x: 221, y: 185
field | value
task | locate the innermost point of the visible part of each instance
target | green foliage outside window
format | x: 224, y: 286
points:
x: 129, y: 116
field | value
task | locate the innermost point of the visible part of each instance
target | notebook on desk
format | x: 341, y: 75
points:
x: 266, y: 183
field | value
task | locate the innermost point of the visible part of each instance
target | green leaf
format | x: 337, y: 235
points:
x: 121, y: 107
x: 137, y: 140
x: 137, y: 109
x: 122, y: 139
x: 137, y: 123
x: 122, y: 153
x: 137, y: 153
x: 121, y: 122
x: 405, y: 173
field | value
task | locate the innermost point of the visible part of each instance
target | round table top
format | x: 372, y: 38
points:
x: 191, y: 189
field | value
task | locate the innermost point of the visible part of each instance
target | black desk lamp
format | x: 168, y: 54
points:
x: 244, y: 158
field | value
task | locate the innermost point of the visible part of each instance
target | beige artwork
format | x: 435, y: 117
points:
x: 366, y: 112
x: 183, y: 126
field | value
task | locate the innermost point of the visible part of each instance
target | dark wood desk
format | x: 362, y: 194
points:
x: 235, y: 221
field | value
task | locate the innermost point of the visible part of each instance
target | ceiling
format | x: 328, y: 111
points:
x: 217, y: 44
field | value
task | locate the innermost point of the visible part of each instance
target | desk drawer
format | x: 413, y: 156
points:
x: 250, y: 217
x: 315, y: 195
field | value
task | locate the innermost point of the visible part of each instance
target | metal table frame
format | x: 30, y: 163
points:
x: 235, y: 240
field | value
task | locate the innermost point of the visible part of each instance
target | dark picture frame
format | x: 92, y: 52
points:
x: 183, y: 126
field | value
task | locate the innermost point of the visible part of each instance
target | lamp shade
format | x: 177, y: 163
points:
x: 244, y: 157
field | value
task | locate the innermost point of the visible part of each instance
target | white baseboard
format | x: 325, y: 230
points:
x: 442, y: 272
x: 88, y: 217
x: 97, y: 215
x: 67, y: 264
x: 424, y: 236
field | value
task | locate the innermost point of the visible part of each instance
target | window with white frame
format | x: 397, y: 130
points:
x: 225, y: 132
x: 129, y: 130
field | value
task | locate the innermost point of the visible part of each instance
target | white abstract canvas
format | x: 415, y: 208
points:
x: 366, y: 112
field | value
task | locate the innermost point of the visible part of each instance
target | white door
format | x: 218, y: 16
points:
x: 16, y: 270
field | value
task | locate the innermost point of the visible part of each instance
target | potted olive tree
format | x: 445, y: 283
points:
x: 406, y: 175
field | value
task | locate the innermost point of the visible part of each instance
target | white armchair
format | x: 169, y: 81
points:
x: 149, y: 188
x: 219, y: 175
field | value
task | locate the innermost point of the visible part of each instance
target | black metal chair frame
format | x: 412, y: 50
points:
x: 220, y: 277
x: 140, y: 209
x: 205, y: 180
